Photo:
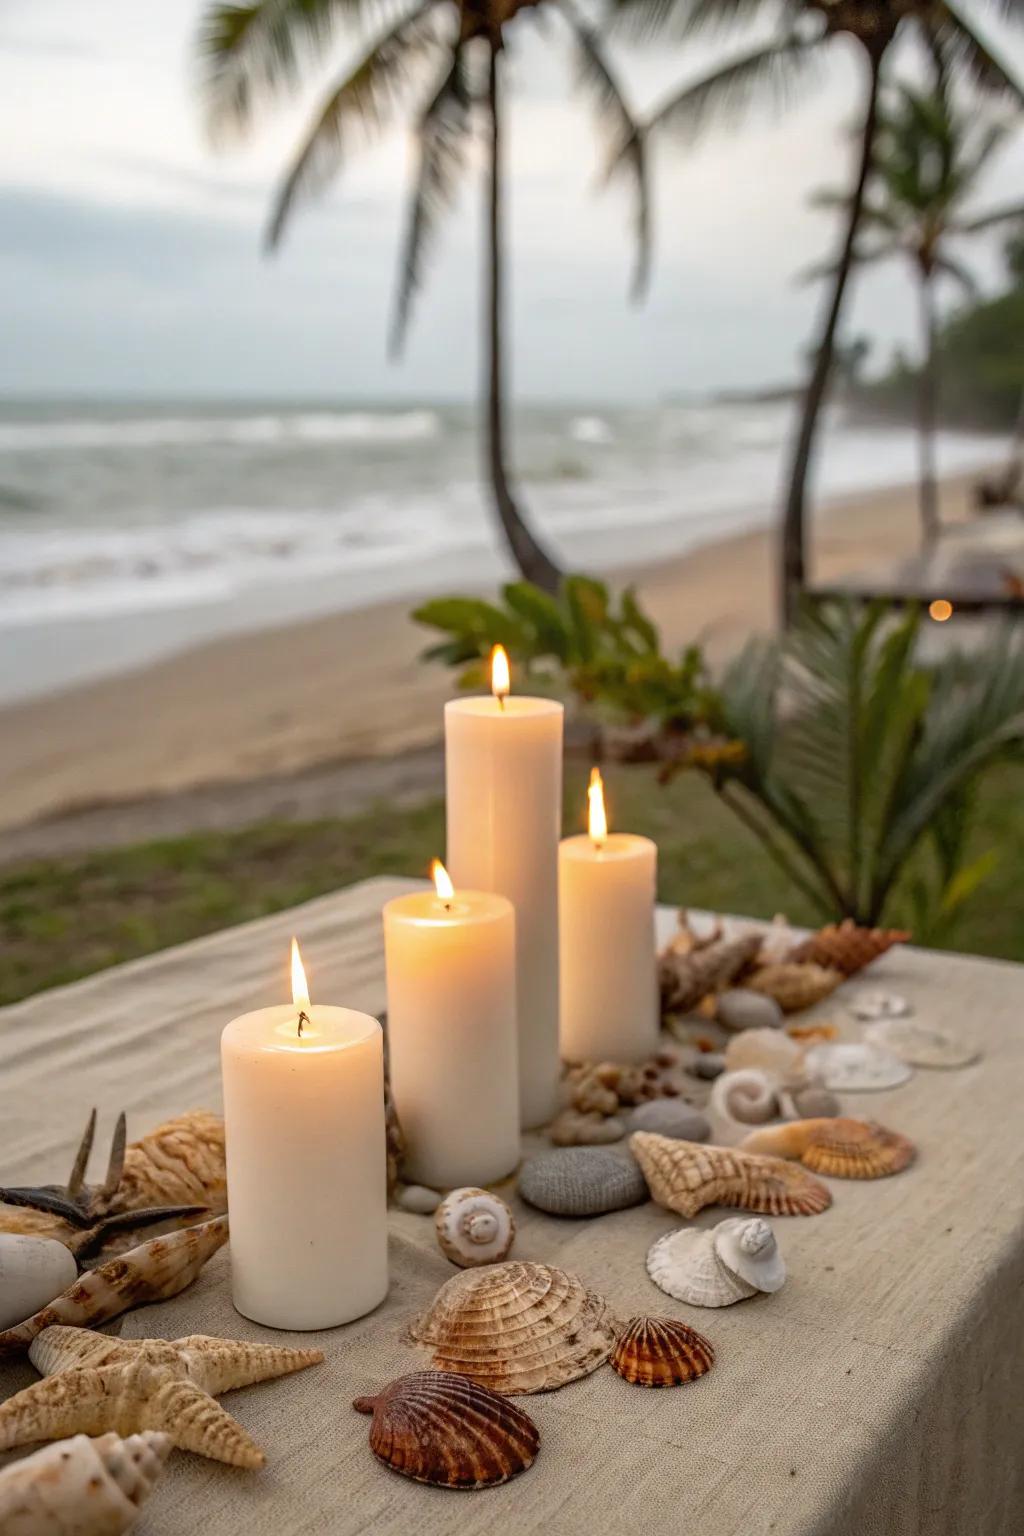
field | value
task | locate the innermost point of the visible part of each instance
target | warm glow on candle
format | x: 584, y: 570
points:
x: 442, y: 882
x: 501, y: 682
x: 598, y: 819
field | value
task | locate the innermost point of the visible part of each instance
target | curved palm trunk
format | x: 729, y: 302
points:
x: 793, y: 530
x: 531, y: 557
x: 926, y: 396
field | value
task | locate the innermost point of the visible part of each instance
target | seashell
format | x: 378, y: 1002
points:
x: 841, y: 1148
x: 154, y: 1271
x: 517, y: 1328
x: 748, y: 1096
x: 474, y: 1227
x: 33, y: 1270
x: 686, y: 978
x: 850, y: 1067
x: 418, y: 1199
x: 795, y: 984
x: 808, y: 1101
x: 847, y: 947
x: 82, y: 1487
x: 685, y: 1177
x: 581, y: 1181
x: 670, y: 1117
x: 813, y: 1032
x: 879, y: 1005
x: 687, y: 1266
x: 661, y: 1352
x: 919, y: 1044
x: 741, y: 1008
x: 572, y: 1128
x: 441, y: 1428
x: 92, y: 1383
x: 768, y: 1051
x: 747, y: 1248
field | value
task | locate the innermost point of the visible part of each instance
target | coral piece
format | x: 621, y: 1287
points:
x: 92, y: 1384
x: 572, y: 1128
x: 746, y: 1246
x: 474, y: 1227
x: 82, y: 1487
x: 441, y: 1428
x: 685, y: 1176
x: 919, y: 1045
x: 154, y: 1271
x: 33, y: 1270
x: 768, y: 1051
x: 517, y: 1328
x: 661, y: 1352
x: 795, y: 985
x: 850, y: 1067
x: 847, y: 947
x: 686, y: 1266
x: 685, y: 979
x: 748, y: 1096
x: 841, y: 1148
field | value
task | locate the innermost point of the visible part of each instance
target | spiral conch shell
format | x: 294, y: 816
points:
x: 474, y: 1227
x: 82, y: 1487
x: 441, y: 1428
x: 839, y: 1147
x: 748, y: 1096
x: 517, y: 1328
x: 661, y: 1352
x: 685, y: 1176
x: 686, y: 1266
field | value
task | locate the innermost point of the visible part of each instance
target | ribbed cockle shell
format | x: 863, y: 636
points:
x: 839, y: 1147
x: 441, y: 1428
x: 81, y: 1487
x: 685, y: 1176
x: 661, y: 1352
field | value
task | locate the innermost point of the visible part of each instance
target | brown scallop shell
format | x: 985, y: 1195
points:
x: 661, y: 1352
x: 795, y: 984
x: 839, y: 1147
x: 685, y: 1176
x: 440, y: 1428
x: 847, y: 947
x: 517, y: 1328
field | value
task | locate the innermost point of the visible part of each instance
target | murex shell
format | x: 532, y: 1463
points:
x: 82, y: 1487
x: 840, y: 1147
x: 920, y: 1044
x: 685, y: 1176
x: 850, y: 1067
x: 661, y: 1352
x: 474, y: 1227
x: 517, y: 1328
x: 33, y: 1270
x: 441, y: 1428
x: 581, y: 1181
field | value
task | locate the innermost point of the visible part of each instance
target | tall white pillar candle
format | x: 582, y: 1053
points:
x: 503, y: 766
x: 451, y: 975
x: 606, y: 896
x: 306, y: 1163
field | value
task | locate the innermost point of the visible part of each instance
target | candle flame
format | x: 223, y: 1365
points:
x: 501, y: 682
x: 442, y: 880
x: 598, y: 819
x: 940, y: 610
x: 300, y: 987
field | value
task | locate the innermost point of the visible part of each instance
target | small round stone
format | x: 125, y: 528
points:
x: 671, y: 1117
x: 581, y: 1181
x: 573, y: 1129
x: 418, y: 1199
x: 708, y: 1065
x: 743, y: 1009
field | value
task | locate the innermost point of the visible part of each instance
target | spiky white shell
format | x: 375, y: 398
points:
x: 82, y: 1487
x: 474, y: 1227
x: 685, y: 1265
x: 746, y: 1246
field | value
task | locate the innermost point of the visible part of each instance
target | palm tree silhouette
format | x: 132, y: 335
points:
x: 252, y: 54
x: 929, y: 157
x: 772, y: 71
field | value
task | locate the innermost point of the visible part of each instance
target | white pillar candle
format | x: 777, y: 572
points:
x: 503, y: 767
x: 451, y: 976
x: 306, y: 1162
x: 606, y: 895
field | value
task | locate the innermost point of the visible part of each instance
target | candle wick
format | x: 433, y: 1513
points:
x: 447, y: 906
x: 303, y: 1019
x: 501, y: 702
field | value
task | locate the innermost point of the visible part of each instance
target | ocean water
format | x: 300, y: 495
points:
x: 131, y: 531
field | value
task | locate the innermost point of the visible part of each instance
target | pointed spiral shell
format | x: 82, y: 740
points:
x: 82, y: 1487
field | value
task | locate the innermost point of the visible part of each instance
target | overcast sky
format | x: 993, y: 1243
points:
x: 130, y: 254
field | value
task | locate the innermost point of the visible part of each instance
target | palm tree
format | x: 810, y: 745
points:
x: 929, y: 157
x: 773, y: 70
x: 254, y: 53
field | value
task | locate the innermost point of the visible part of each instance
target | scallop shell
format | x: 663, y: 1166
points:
x: 847, y: 947
x: 747, y: 1248
x: 795, y: 984
x: 686, y: 1265
x: 748, y: 1096
x: 768, y: 1051
x: 661, y: 1352
x: 919, y: 1045
x: 82, y: 1487
x: 686, y: 978
x: 685, y: 1176
x: 841, y: 1147
x: 517, y: 1328
x: 441, y: 1428
x: 474, y: 1227
x: 850, y: 1067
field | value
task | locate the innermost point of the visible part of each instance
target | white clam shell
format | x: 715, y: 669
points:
x: 746, y: 1246
x: 879, y: 1005
x: 851, y: 1067
x: 920, y: 1044
x: 474, y: 1227
x: 686, y: 1266
x: 749, y: 1096
x: 33, y: 1270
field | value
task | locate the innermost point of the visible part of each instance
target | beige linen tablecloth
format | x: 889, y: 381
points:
x: 881, y: 1391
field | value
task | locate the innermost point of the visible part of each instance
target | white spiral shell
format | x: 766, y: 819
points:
x: 474, y: 1227
x: 685, y: 1265
x: 749, y: 1096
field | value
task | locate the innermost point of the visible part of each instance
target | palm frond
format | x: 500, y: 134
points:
x: 965, y: 49
x: 628, y: 151
x: 950, y: 267
x: 767, y: 73
x: 863, y: 256
x: 1009, y: 214
x: 680, y: 18
x: 442, y: 134
x: 366, y: 98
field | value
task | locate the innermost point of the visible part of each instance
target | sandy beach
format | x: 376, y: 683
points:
x: 264, y: 706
